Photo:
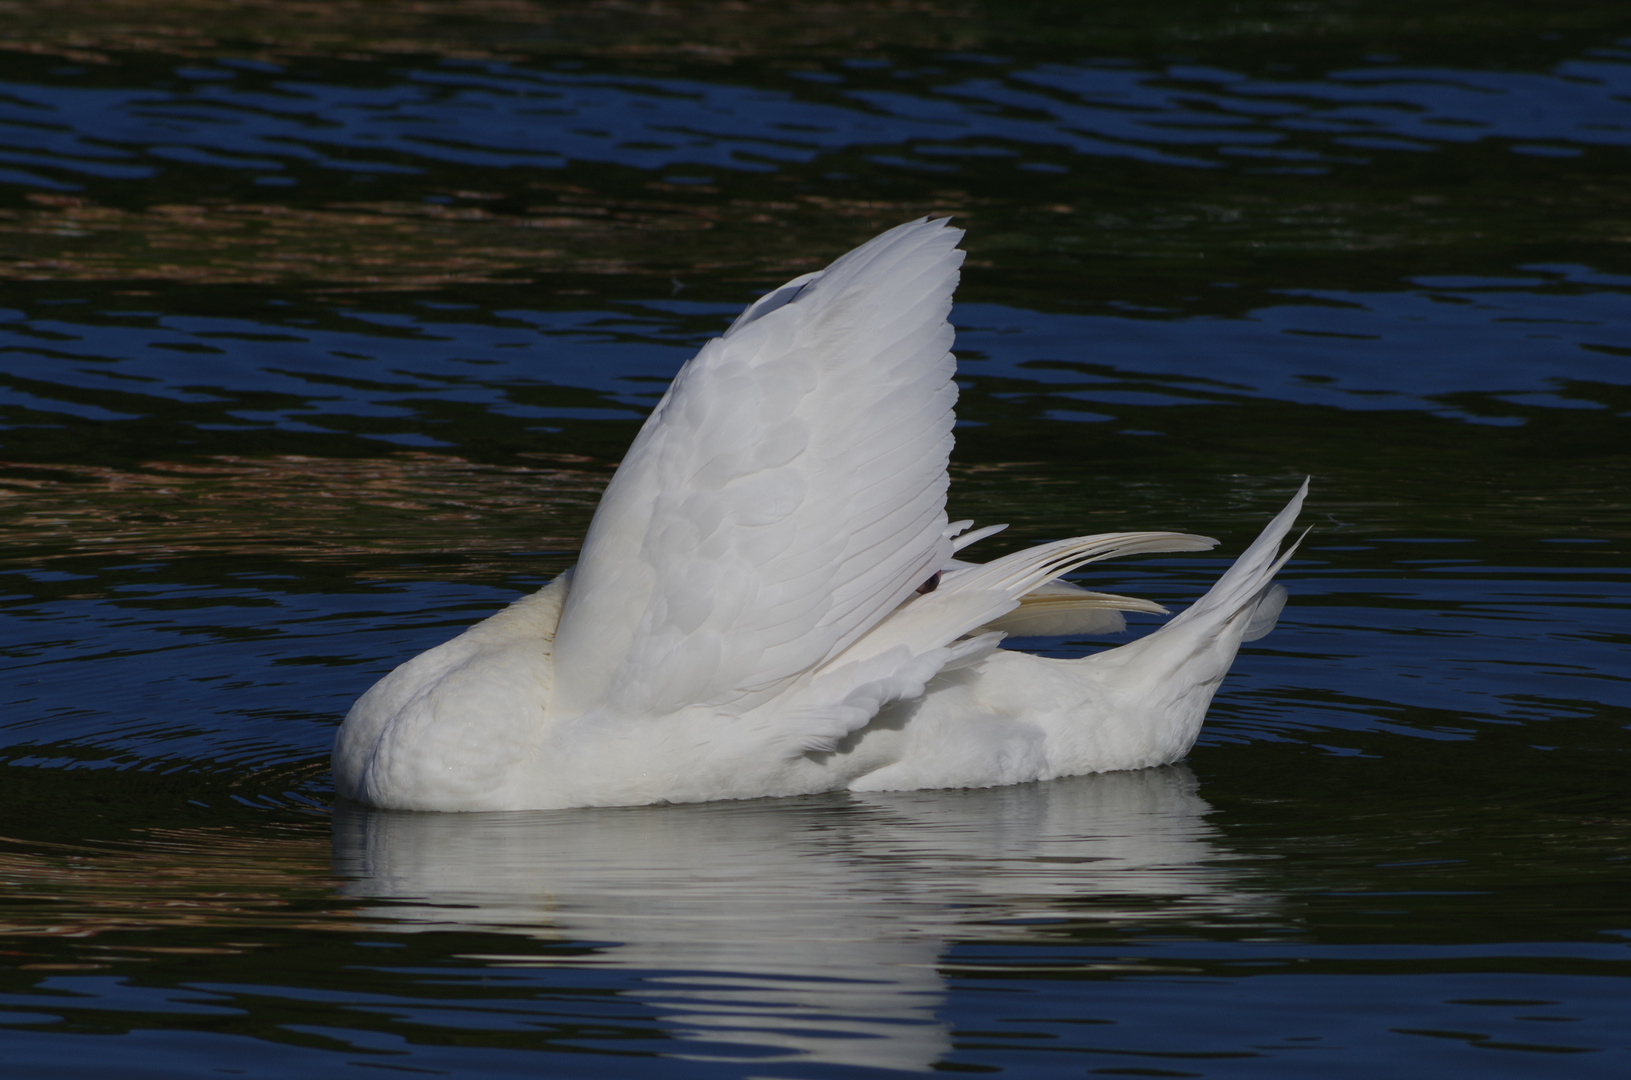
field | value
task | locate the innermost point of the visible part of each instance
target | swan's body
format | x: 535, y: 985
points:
x: 752, y: 614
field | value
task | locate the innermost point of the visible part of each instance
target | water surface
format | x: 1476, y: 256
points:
x: 320, y: 337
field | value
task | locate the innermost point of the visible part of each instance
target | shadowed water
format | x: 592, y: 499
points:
x: 319, y: 337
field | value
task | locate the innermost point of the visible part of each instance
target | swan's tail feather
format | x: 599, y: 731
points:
x: 1244, y: 583
x: 1163, y: 683
x: 1265, y: 614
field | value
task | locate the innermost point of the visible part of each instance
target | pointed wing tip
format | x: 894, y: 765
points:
x: 930, y: 227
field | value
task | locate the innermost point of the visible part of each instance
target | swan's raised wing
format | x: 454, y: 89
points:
x: 786, y: 494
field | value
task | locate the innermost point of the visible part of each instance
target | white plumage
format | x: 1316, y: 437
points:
x: 745, y: 618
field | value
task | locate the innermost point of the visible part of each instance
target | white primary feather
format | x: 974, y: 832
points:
x: 752, y: 613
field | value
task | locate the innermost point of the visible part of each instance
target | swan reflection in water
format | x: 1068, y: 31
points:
x: 814, y: 926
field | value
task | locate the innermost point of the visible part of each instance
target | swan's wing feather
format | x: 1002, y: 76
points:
x: 981, y: 594
x: 786, y: 494
x: 897, y: 657
x: 1052, y: 611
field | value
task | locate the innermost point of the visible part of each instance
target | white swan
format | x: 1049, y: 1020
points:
x: 767, y: 604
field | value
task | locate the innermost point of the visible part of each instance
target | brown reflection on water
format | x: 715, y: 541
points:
x: 166, y: 880
x: 722, y: 30
x: 415, y: 245
x: 299, y: 507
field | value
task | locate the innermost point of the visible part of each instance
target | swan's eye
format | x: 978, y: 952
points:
x: 931, y: 585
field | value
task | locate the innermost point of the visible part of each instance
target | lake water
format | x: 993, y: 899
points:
x: 323, y: 325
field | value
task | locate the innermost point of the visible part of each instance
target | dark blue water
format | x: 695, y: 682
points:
x: 315, y: 349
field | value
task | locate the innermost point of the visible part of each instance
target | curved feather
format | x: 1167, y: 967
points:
x: 786, y: 494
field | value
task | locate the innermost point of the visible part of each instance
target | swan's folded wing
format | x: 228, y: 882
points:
x: 786, y: 494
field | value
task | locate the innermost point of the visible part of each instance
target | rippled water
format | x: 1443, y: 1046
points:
x: 322, y: 330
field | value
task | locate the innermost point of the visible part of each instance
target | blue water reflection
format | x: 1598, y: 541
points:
x: 496, y: 116
x: 1521, y: 343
